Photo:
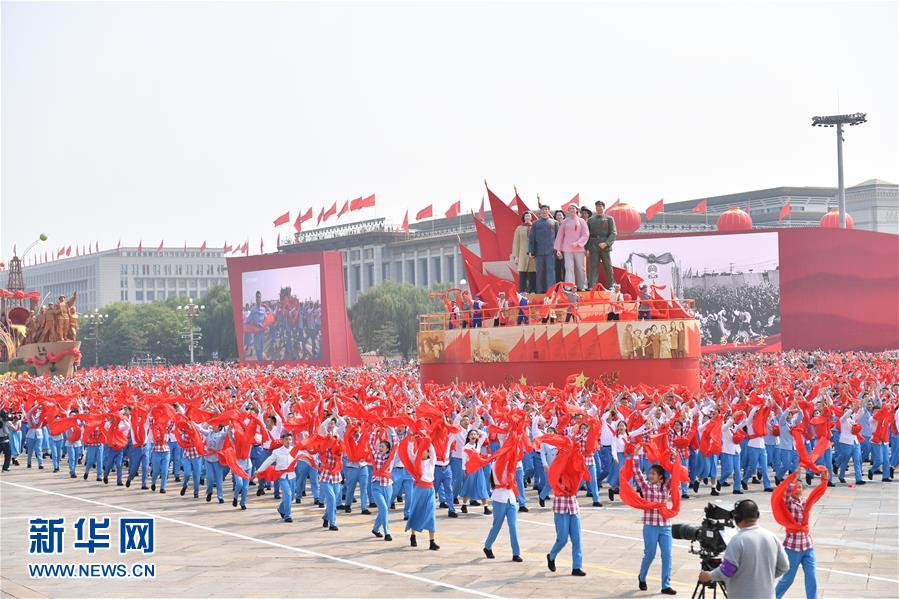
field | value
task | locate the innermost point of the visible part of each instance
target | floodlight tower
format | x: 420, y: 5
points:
x: 838, y: 120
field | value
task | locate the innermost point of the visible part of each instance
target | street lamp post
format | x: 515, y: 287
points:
x: 838, y: 120
x: 95, y: 319
x: 193, y: 334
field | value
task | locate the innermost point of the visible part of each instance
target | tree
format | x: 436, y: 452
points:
x: 393, y: 305
x: 216, y: 324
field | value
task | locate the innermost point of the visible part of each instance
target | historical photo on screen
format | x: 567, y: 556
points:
x: 734, y: 280
x: 282, y: 313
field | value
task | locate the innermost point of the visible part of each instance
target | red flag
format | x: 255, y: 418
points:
x: 655, y: 209
x: 227, y: 248
x: 298, y: 222
x: 161, y: 243
x: 618, y: 201
x: 330, y: 212
x: 97, y: 247
x: 140, y: 247
x: 481, y: 211
x: 77, y: 252
x: 283, y: 219
x: 520, y: 206
x: 453, y: 211
x: 118, y: 245
x: 321, y: 213
x: 406, y: 222
x: 306, y: 216
x: 576, y: 200
x: 360, y: 203
x: 425, y: 212
x: 488, y: 242
x: 246, y: 248
x: 346, y: 207
x: 203, y: 246
x: 261, y: 246
x: 505, y: 221
x: 701, y: 207
x: 68, y: 251
x: 784, y: 212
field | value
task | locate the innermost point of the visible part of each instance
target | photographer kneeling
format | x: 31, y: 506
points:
x: 753, y: 558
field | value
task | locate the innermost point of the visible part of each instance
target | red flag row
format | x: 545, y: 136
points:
x: 324, y: 214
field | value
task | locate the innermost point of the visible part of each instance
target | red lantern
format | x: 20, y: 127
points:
x: 831, y: 220
x: 734, y: 219
x: 627, y: 219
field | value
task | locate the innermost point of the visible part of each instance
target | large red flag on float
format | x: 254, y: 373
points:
x: 505, y: 221
x: 576, y: 200
x: 487, y: 241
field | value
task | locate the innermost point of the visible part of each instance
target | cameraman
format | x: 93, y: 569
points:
x: 6, y: 430
x: 753, y: 559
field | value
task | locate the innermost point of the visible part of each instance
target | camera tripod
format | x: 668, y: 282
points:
x: 699, y: 591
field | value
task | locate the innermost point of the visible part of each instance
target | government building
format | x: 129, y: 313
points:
x: 126, y: 275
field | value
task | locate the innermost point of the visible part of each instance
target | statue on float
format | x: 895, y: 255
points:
x: 51, y: 334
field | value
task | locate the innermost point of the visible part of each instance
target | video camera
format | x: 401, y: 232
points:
x: 708, y: 535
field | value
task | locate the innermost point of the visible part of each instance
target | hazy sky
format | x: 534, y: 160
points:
x: 205, y: 121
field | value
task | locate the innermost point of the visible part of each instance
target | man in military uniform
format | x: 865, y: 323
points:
x: 602, y: 236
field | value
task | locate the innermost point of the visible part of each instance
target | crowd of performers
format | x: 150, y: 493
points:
x: 783, y: 420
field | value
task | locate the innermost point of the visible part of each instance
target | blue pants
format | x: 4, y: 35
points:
x: 159, y: 466
x: 605, y: 464
x: 519, y: 480
x: 113, y: 459
x: 894, y: 452
x: 846, y: 451
x: 304, y: 471
x: 826, y: 458
x: 592, y: 489
x: 94, y: 459
x: 286, y: 487
x: 192, y: 468
x: 882, y: 459
x: 539, y: 472
x: 546, y: 271
x: 330, y: 492
x: 382, y: 496
x: 614, y: 479
x: 568, y: 526
x: 356, y: 475
x: 33, y: 447
x: 57, y: 448
x: 73, y: 454
x: 138, y: 457
x: 257, y: 456
x: 788, y: 462
x: 757, y: 460
x: 456, y: 467
x: 730, y: 464
x: 509, y: 513
x: 656, y: 536
x: 443, y: 482
x: 15, y: 443
x: 176, y: 452
x: 241, y: 488
x: 807, y: 560
x: 402, y: 485
x: 214, y: 476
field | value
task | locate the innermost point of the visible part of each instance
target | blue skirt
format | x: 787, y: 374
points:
x: 475, y: 486
x: 421, y: 512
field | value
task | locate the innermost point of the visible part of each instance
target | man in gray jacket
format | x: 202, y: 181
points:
x: 753, y: 558
x: 599, y: 245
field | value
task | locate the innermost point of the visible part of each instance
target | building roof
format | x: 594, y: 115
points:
x: 873, y: 182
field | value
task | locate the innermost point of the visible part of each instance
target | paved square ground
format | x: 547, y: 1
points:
x: 211, y: 550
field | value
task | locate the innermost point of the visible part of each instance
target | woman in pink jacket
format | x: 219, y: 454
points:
x: 570, y: 241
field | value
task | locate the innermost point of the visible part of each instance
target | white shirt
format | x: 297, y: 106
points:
x: 282, y: 459
x: 427, y: 465
x: 608, y: 429
x: 847, y: 421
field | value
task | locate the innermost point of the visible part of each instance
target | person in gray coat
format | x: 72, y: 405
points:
x: 541, y: 239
